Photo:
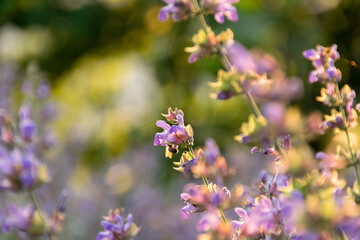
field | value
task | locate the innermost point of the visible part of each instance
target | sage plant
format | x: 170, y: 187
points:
x: 282, y: 205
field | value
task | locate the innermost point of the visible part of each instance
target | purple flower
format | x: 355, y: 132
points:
x: 43, y: 90
x: 261, y: 217
x: 211, y: 150
x: 17, y: 218
x: 174, y: 136
x: 221, y: 9
x: 21, y: 170
x: 27, y: 129
x: 323, y: 59
x: 329, y: 162
x: 179, y: 10
x: 199, y: 198
x: 27, y: 126
x: 117, y: 228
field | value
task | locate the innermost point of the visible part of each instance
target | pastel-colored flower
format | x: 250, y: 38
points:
x: 329, y: 162
x: 323, y: 59
x: 259, y: 218
x: 206, y: 43
x: 174, y: 136
x: 178, y: 9
x: 221, y: 9
x: 21, y: 170
x: 17, y: 218
x: 199, y: 198
x: 26, y: 125
x: 118, y: 228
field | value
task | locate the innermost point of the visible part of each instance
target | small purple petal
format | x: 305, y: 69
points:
x: 310, y: 54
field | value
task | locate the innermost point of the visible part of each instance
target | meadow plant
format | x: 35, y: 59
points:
x: 303, y: 195
x: 24, y: 140
x: 290, y: 203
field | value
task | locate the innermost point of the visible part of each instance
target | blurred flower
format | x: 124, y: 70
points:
x: 17, y: 218
x: 220, y: 9
x: 117, y: 228
x: 199, y: 198
x: 263, y: 77
x: 207, y: 44
x: 21, y: 170
x: 330, y: 162
x: 179, y: 10
x: 206, y: 163
x: 323, y: 59
x: 228, y: 85
x: 347, y: 96
x: 259, y: 220
x: 252, y: 130
x: 329, y: 96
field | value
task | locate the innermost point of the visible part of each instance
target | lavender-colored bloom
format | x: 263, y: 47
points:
x: 179, y: 10
x: 27, y: 129
x: 174, y: 135
x: 189, y: 208
x: 117, y: 228
x: 209, y: 221
x: 17, y: 218
x: 221, y: 9
x: 106, y: 235
x: 49, y: 111
x: 20, y: 170
x: 351, y: 227
x: 211, y: 150
x: 241, y: 59
x: 43, y: 90
x: 24, y: 112
x: 260, y: 217
x: 323, y: 59
x: 199, y: 198
x: 328, y: 163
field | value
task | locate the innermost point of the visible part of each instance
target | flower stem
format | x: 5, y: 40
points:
x: 224, y: 59
x: 35, y: 200
x: 346, y: 129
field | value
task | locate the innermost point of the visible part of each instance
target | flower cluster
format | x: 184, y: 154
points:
x: 323, y: 59
x: 21, y: 144
x: 199, y: 198
x: 117, y: 227
x: 32, y: 221
x: 176, y: 135
x: 303, y: 197
x: 207, y: 162
x: 208, y: 44
x: 21, y: 170
x: 182, y: 9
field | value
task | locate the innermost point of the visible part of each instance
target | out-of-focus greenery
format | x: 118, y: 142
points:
x: 114, y: 68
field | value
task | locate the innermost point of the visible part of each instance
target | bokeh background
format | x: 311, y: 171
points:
x: 114, y: 68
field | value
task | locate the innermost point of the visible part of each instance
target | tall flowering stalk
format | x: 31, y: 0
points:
x: 323, y: 59
x: 200, y: 164
x: 21, y: 144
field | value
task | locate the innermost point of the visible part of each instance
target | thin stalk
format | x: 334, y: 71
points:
x: 35, y: 200
x: 224, y: 59
x: 206, y: 182
x: 352, y: 155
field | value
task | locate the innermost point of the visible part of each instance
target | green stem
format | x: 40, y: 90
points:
x: 35, y: 200
x: 224, y: 59
x: 221, y: 212
x: 352, y: 155
x: 205, y: 181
